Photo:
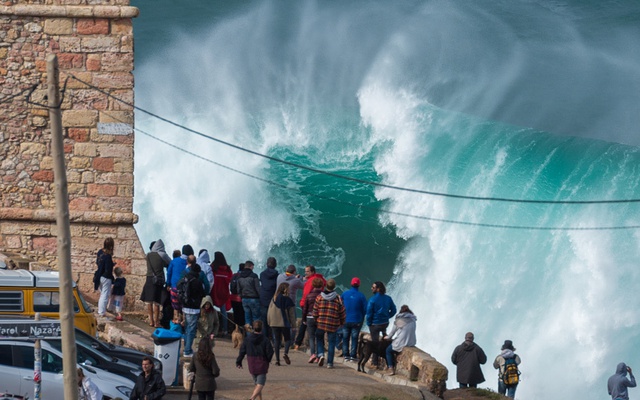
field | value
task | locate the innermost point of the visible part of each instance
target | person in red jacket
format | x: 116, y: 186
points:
x: 309, y: 274
x: 220, y: 291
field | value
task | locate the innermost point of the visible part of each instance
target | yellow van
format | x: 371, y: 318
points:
x: 24, y: 292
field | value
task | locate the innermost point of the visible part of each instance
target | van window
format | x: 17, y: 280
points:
x: 44, y: 301
x: 11, y: 301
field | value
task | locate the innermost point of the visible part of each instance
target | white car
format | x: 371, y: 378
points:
x: 16, y: 372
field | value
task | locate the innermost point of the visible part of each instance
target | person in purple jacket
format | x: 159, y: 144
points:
x: 257, y: 347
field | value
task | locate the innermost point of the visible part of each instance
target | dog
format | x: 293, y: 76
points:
x: 237, y: 337
x: 367, y: 347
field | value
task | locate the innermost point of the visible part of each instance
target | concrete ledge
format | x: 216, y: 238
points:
x: 34, y: 10
x: 422, y: 367
x: 93, y: 217
x: 414, y: 368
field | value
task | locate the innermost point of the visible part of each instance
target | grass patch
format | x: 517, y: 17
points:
x: 489, y: 394
x: 374, y: 398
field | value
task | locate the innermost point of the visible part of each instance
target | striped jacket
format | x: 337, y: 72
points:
x: 329, y: 312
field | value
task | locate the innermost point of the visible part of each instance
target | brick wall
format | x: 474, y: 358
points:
x: 94, y: 42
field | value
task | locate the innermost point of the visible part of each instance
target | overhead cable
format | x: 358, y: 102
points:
x: 386, y: 211
x: 361, y: 181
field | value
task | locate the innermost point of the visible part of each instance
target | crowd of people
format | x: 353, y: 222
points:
x: 189, y: 291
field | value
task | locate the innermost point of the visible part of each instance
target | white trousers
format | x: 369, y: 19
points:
x: 105, y: 292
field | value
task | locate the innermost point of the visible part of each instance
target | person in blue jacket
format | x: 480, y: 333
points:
x: 379, y: 310
x: 356, y: 305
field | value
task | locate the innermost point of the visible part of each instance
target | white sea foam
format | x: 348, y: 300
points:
x: 567, y: 299
x: 556, y: 295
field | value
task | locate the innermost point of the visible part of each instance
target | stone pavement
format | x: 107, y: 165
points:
x: 299, y: 380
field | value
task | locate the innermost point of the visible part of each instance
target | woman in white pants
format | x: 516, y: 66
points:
x: 105, y: 271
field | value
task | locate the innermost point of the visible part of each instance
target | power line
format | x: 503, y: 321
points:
x: 383, y: 210
x: 30, y: 90
x: 361, y: 181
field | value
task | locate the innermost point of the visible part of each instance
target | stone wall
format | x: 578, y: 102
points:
x: 93, y: 40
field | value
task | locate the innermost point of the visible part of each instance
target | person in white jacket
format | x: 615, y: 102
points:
x: 402, y: 334
x: 87, y: 390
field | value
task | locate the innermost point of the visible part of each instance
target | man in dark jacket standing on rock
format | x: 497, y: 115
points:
x: 268, y: 281
x: 149, y: 384
x: 467, y: 357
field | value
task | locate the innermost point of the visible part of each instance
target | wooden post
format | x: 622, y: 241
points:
x: 69, y: 362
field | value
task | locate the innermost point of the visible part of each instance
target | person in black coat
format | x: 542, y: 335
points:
x: 149, y: 385
x: 467, y: 357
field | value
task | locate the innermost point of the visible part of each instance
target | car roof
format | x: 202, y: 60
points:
x: 25, y: 278
x: 103, y: 375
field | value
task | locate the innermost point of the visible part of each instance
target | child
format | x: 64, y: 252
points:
x: 176, y: 325
x: 117, y: 293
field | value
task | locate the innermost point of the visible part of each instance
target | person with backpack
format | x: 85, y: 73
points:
x: 191, y: 290
x: 507, y: 365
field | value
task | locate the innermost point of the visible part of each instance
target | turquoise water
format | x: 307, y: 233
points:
x: 511, y: 99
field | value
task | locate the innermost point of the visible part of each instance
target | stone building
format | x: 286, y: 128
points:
x: 93, y: 40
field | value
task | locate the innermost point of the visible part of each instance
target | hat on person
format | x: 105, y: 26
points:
x: 508, y: 344
x: 355, y: 281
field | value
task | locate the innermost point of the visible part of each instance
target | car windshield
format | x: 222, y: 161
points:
x: 84, y: 338
x: 84, y: 352
x: 89, y: 341
x: 85, y: 305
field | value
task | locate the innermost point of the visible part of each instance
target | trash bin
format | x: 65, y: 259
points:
x: 167, y: 350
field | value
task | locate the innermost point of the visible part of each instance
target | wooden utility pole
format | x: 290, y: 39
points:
x: 70, y: 374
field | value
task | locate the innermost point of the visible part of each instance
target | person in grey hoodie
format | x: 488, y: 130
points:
x: 404, y: 330
x: 618, y: 382
x: 294, y: 280
x: 467, y: 357
x: 507, y: 352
